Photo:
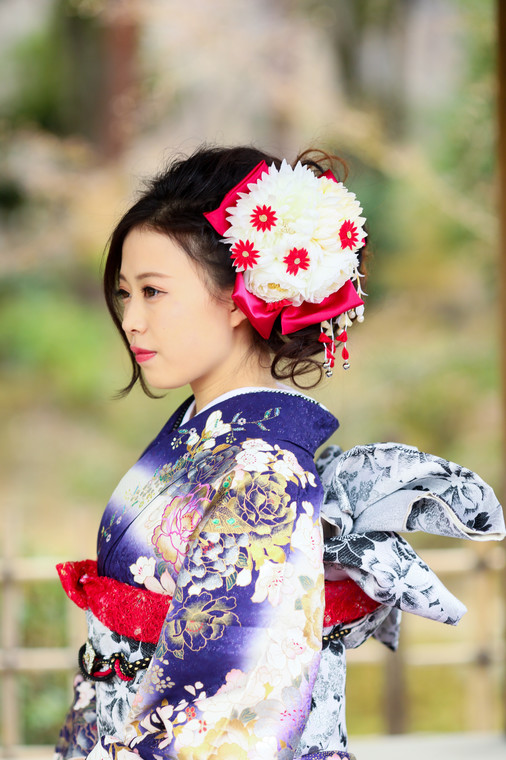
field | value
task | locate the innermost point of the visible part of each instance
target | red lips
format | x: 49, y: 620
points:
x: 142, y: 354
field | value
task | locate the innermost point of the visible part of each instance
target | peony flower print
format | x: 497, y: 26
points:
x: 199, y: 620
x: 214, y: 562
x: 179, y: 520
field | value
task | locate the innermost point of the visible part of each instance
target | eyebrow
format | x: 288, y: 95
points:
x: 144, y: 275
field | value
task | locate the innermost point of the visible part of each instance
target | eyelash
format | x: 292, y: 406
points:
x: 152, y: 291
x: 148, y: 290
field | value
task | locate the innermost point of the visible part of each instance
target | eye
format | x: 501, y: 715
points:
x: 122, y: 294
x: 150, y: 292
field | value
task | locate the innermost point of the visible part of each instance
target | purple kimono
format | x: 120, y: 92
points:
x: 224, y: 514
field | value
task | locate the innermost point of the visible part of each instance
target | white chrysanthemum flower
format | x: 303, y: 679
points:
x: 295, y: 236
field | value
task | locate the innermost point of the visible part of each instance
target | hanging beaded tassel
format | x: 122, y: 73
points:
x: 343, y: 337
x: 343, y: 322
x: 329, y: 346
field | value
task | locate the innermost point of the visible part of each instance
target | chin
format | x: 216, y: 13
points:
x: 164, y: 384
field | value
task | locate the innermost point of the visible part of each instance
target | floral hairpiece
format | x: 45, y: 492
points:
x: 294, y: 240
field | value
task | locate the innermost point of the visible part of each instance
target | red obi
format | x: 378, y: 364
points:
x: 139, y: 613
x: 345, y: 602
x: 130, y: 611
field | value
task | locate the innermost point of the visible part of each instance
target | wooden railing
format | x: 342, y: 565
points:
x: 479, y: 564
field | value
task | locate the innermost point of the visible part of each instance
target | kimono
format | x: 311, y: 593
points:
x: 206, y: 628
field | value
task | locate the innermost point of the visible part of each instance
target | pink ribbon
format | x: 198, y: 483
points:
x: 330, y: 175
x: 218, y: 217
x: 262, y: 315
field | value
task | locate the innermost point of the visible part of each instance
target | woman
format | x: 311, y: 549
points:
x: 232, y: 272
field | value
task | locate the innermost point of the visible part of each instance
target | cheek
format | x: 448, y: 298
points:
x: 193, y: 318
x: 218, y: 325
x: 211, y: 316
x: 174, y: 316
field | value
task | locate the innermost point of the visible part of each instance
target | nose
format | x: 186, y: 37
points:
x: 133, y: 317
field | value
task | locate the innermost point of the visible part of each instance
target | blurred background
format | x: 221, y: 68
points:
x: 95, y: 95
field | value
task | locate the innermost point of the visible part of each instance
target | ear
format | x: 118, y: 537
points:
x: 237, y: 317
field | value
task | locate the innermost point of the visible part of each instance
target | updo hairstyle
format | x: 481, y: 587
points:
x: 173, y: 203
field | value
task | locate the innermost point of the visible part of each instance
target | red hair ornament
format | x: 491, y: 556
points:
x: 294, y: 239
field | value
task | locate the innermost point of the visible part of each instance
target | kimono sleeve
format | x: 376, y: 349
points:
x: 78, y: 734
x: 238, y: 655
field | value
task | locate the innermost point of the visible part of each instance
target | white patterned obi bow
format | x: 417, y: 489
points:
x: 374, y: 491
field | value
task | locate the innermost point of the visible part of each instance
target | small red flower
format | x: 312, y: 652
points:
x: 263, y: 218
x: 348, y: 235
x: 297, y: 258
x: 244, y: 255
x: 190, y: 712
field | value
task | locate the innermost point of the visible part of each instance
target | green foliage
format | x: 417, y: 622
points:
x: 43, y: 615
x: 464, y: 137
x: 57, y: 74
x: 53, y: 340
x: 45, y: 698
x: 12, y: 195
x: 38, y: 75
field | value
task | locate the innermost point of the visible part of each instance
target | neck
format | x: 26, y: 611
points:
x: 246, y: 373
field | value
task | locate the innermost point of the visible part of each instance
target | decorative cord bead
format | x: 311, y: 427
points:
x: 336, y: 634
x: 96, y: 667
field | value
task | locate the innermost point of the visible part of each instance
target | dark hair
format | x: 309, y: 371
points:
x: 174, y: 203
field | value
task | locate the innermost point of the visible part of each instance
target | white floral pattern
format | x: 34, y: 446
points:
x: 143, y: 568
x: 370, y: 492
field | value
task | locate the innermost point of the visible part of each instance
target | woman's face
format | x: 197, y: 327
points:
x: 177, y: 330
